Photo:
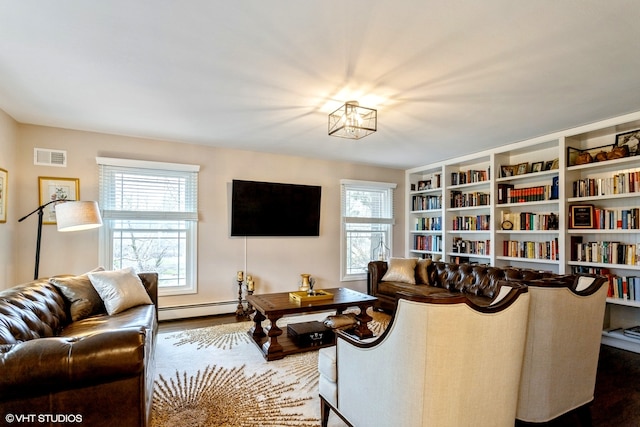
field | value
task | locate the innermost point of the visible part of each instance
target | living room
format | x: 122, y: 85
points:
x: 431, y: 110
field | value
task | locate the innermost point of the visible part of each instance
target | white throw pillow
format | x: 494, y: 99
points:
x: 119, y: 289
x: 584, y: 282
x: 401, y: 270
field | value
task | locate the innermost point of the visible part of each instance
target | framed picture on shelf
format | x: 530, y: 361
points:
x: 548, y: 165
x: 507, y: 171
x: 523, y: 168
x: 424, y: 185
x: 630, y: 139
x: 581, y: 216
x: 58, y: 189
x: 537, y: 166
x: 4, y: 175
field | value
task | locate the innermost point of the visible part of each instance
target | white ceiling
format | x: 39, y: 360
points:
x: 447, y: 77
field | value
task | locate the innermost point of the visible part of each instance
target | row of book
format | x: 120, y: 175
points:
x: 605, y: 252
x: 623, y: 287
x: 531, y: 250
x: 467, y: 177
x: 464, y: 200
x: 531, y: 220
x: 428, y: 243
x: 476, y: 247
x: 478, y: 222
x: 423, y: 203
x: 632, y: 332
x: 507, y: 193
x: 429, y: 223
x: 619, y: 183
x: 616, y: 219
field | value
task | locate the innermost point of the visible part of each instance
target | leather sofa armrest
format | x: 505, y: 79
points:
x: 45, y: 365
x: 376, y: 271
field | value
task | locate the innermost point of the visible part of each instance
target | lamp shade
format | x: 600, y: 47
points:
x: 75, y: 216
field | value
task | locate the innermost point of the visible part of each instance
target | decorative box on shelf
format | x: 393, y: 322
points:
x: 310, y: 334
x: 304, y: 297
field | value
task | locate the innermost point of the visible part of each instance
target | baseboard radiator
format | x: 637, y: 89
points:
x: 196, y: 310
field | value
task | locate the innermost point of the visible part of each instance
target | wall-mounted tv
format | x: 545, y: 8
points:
x: 274, y: 209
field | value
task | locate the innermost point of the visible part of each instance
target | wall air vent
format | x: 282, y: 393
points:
x: 44, y: 157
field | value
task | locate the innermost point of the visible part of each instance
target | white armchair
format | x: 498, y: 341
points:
x: 443, y: 361
x: 562, y: 349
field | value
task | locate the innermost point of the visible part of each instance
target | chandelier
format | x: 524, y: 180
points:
x: 353, y: 121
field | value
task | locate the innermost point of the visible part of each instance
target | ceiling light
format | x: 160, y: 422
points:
x: 353, y: 121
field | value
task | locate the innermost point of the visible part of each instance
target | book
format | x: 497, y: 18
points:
x: 633, y: 332
x: 555, y: 188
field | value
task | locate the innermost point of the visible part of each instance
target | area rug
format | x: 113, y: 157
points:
x: 216, y: 376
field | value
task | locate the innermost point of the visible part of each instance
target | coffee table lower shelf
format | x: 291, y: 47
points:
x: 288, y: 346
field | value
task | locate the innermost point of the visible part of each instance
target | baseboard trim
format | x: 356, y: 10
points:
x: 196, y: 310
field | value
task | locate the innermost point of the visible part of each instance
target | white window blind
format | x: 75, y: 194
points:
x: 133, y: 189
x: 367, y: 202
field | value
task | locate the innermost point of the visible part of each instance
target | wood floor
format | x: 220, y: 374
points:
x: 617, y: 393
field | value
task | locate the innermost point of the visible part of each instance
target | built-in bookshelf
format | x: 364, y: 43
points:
x: 602, y: 201
x: 532, y: 204
x: 426, y: 214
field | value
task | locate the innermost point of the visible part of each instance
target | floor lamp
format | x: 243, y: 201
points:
x: 70, y: 216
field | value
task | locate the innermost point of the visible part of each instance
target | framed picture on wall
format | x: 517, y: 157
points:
x: 4, y: 175
x: 58, y: 189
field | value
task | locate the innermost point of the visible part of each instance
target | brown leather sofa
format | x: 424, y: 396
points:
x: 480, y: 283
x: 97, y: 371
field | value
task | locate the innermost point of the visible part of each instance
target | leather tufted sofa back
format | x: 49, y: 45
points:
x: 480, y: 283
x: 473, y: 279
x: 29, y: 311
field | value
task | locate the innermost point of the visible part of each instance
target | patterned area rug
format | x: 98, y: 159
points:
x: 216, y: 376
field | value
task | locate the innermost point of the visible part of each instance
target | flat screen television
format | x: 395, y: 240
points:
x: 274, y: 209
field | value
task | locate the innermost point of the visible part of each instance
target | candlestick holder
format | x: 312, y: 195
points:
x: 241, y: 311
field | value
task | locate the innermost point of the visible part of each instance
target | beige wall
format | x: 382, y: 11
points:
x: 8, y: 143
x: 275, y: 263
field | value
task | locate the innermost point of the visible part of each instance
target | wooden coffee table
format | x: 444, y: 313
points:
x: 276, y: 345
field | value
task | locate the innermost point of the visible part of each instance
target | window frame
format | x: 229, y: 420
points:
x: 346, y: 184
x: 106, y: 235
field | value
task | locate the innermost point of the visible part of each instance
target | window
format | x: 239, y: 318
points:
x: 367, y: 220
x: 150, y: 215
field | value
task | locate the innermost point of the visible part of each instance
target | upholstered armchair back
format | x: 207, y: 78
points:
x: 563, y: 346
x: 443, y: 361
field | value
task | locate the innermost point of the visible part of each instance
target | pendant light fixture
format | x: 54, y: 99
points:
x: 353, y: 121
